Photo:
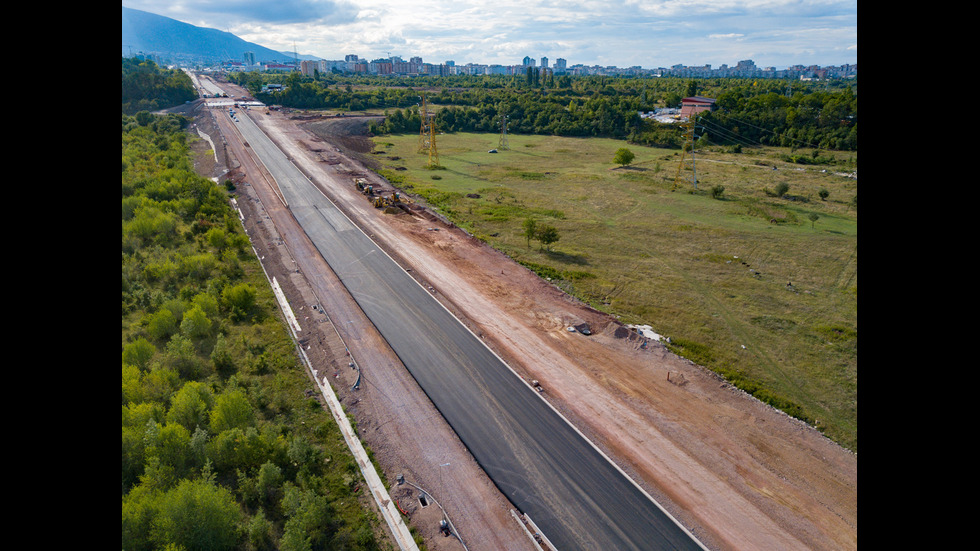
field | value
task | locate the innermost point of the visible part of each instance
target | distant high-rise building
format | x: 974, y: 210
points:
x: 528, y: 62
x: 308, y: 66
x: 351, y: 57
x: 249, y: 58
x: 560, y: 65
x: 544, y: 62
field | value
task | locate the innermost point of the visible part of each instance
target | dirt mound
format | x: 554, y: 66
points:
x: 350, y: 133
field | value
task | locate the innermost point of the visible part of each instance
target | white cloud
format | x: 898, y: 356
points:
x: 650, y: 33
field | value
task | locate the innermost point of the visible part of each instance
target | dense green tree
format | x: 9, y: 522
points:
x: 221, y: 356
x: 240, y: 300
x: 231, y: 410
x: 692, y: 88
x: 191, y: 406
x: 196, y: 324
x: 151, y: 224
x: 239, y: 449
x: 207, y: 303
x: 139, y: 507
x: 197, y: 514
x: 133, y: 457
x: 161, y: 325
x: 170, y: 446
x: 547, y: 235
x: 260, y: 532
x: 139, y: 353
x: 309, y: 519
x: 268, y: 482
x: 132, y: 384
x: 160, y: 383
x: 623, y: 156
x: 182, y: 357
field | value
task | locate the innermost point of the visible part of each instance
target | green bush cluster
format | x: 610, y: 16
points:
x: 221, y: 449
x: 148, y: 87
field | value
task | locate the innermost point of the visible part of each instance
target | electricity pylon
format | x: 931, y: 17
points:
x: 689, y: 138
x: 427, y: 134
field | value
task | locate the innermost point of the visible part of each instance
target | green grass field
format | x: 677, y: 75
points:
x: 744, y: 283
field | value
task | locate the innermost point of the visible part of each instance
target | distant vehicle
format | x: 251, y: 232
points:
x: 492, y: 151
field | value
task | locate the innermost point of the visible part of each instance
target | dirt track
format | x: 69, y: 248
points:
x: 738, y: 474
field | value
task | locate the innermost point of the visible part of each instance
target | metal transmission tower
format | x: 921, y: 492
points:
x: 503, y: 133
x: 427, y: 134
x: 689, y: 138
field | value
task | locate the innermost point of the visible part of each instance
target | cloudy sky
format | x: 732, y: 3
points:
x: 648, y: 33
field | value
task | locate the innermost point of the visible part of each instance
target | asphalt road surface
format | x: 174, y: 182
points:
x: 546, y: 468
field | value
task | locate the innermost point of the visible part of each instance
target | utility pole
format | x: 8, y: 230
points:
x: 689, y: 139
x: 503, y: 132
x: 427, y: 134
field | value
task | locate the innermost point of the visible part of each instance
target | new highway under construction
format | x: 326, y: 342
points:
x: 539, y: 461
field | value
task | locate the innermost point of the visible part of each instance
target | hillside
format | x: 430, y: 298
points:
x: 155, y: 34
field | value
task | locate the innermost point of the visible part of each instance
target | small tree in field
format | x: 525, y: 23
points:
x: 813, y: 219
x: 530, y: 230
x: 547, y: 235
x: 623, y: 156
x: 781, y: 189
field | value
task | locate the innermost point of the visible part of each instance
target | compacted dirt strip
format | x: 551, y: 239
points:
x: 738, y: 474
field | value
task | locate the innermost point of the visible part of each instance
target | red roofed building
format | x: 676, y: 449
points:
x: 696, y: 104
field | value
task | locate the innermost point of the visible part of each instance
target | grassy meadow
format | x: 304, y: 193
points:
x: 744, y: 282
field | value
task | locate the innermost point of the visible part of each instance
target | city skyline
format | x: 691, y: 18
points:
x: 622, y: 33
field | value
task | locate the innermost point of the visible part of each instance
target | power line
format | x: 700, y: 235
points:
x: 739, y: 121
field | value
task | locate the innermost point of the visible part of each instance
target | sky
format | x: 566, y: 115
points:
x: 621, y: 33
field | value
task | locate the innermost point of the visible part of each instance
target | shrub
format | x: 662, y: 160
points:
x: 623, y: 156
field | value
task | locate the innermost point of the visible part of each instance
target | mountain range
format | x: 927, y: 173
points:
x: 169, y: 39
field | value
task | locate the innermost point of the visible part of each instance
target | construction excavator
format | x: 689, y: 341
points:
x: 378, y: 200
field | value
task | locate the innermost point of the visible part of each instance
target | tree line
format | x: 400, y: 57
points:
x: 221, y: 446
x: 804, y: 118
x: 148, y: 87
x: 749, y: 112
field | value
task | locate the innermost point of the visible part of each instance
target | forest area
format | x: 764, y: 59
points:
x: 149, y: 87
x: 766, y: 112
x: 221, y: 446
